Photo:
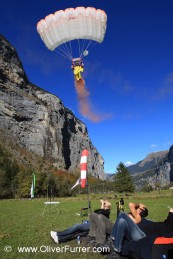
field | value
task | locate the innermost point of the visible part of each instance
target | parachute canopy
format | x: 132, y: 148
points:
x: 73, y: 24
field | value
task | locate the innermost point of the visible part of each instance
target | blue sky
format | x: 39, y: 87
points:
x: 129, y: 76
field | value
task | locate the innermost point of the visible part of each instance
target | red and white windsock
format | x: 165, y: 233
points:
x: 83, y: 167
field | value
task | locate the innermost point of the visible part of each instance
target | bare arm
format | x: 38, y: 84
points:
x: 102, y: 204
x: 135, y: 216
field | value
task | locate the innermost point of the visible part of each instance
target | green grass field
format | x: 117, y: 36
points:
x: 27, y: 223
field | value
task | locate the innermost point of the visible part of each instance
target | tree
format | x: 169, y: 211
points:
x: 24, y: 180
x: 8, y: 171
x: 147, y: 188
x: 123, y: 179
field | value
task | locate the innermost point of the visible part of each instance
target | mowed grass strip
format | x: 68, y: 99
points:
x: 27, y: 223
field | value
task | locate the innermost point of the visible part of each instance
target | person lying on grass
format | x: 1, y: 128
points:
x: 100, y: 225
x: 131, y: 228
x: 78, y: 229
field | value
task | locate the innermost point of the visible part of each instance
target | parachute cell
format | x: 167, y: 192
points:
x: 71, y: 24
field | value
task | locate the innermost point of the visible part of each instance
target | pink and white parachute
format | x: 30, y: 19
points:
x: 84, y: 25
x: 83, y: 167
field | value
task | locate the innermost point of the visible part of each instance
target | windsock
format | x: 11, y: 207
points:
x: 83, y: 167
x: 77, y: 183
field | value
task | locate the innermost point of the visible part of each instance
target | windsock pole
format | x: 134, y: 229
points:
x: 89, y: 202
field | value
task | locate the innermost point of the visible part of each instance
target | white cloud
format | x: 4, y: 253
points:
x: 153, y: 145
x: 128, y: 163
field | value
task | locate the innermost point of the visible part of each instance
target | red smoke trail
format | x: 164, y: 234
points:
x: 84, y: 104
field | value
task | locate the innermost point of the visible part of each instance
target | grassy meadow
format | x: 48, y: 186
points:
x: 27, y: 223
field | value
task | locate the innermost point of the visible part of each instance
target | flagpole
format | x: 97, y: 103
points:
x: 89, y: 202
x: 88, y: 194
x: 33, y: 186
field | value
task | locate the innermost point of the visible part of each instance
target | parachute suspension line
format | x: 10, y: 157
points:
x: 83, y: 47
x: 61, y: 53
x: 65, y: 50
x: 70, y: 49
x: 79, y: 47
x: 89, y: 43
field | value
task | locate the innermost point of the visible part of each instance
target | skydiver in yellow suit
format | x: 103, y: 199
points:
x: 77, y: 69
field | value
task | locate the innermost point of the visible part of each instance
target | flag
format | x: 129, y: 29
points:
x: 33, y: 186
x: 77, y: 183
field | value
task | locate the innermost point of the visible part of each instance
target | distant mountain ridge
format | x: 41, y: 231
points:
x: 148, y: 162
x: 155, y: 170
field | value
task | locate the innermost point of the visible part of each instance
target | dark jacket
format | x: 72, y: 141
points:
x: 137, y: 249
x: 157, y: 228
x: 104, y: 212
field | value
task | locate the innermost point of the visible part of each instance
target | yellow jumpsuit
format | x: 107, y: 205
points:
x: 77, y: 72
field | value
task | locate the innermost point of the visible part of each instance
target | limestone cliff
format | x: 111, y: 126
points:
x: 38, y: 121
x: 154, y: 170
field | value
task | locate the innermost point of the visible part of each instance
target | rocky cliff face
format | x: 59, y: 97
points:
x: 38, y: 120
x: 148, y: 162
x: 155, y: 170
x: 170, y: 159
